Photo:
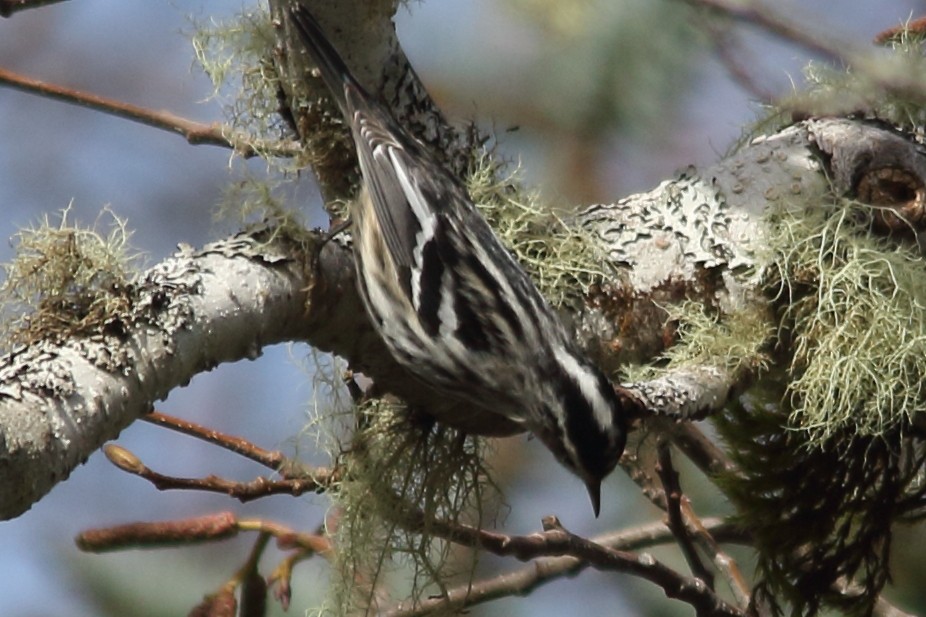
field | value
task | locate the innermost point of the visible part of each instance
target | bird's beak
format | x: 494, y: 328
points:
x: 594, y: 493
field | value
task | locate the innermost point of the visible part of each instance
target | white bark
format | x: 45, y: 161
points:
x: 694, y: 237
x: 61, y: 400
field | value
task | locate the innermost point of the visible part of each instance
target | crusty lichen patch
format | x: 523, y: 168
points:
x: 66, y: 279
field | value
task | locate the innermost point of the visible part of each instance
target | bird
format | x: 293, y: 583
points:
x: 453, y: 306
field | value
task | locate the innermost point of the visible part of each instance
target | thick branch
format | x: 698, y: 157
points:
x: 61, y: 399
x: 364, y: 34
x: 688, y: 239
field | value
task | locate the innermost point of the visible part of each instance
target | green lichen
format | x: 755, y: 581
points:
x: 563, y: 260
x: 251, y: 202
x: 403, y: 475
x: 825, y: 464
x: 235, y: 55
x: 66, y: 279
x: 854, y: 316
x: 887, y: 87
x: 735, y: 341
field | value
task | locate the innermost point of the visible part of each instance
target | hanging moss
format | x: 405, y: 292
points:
x: 826, y: 463
x: 401, y: 474
x: 736, y: 341
x: 854, y: 318
x: 820, y: 514
x: 234, y: 54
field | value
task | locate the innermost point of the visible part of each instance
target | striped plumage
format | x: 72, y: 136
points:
x: 451, y: 303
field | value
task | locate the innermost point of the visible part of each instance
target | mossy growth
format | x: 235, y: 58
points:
x: 818, y: 515
x: 880, y: 87
x: 235, y: 55
x: 563, y: 260
x: 853, y: 315
x: 826, y: 461
x: 405, y: 478
x: 66, y: 279
x: 253, y: 203
x: 736, y: 341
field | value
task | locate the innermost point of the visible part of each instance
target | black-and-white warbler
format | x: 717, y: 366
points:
x: 451, y: 303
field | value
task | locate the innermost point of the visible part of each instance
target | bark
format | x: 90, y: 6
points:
x: 697, y: 237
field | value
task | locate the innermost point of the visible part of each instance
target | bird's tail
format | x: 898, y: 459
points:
x: 335, y: 73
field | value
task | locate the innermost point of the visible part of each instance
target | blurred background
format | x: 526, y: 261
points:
x: 595, y: 99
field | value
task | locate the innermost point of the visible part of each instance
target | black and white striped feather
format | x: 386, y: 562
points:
x: 453, y: 306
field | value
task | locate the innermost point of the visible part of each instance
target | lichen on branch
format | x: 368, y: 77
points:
x: 66, y: 279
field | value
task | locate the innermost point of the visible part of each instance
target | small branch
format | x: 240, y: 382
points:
x: 211, y: 528
x: 883, y: 608
x: 522, y: 581
x: 906, y: 83
x: 557, y: 541
x: 158, y: 534
x: 676, y: 523
x: 8, y: 7
x: 703, y: 452
x: 317, y: 480
x: 674, y: 585
x: 725, y: 564
x: 272, y: 459
x: 774, y: 23
x: 735, y: 58
x: 711, y: 460
x: 195, y: 133
x: 288, y: 539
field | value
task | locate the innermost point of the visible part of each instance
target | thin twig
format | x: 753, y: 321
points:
x: 316, y: 480
x: 522, y: 581
x: 907, y: 83
x: 705, y: 454
x: 686, y: 589
x: 194, y: 132
x: 555, y: 540
x: 710, y: 544
x: 694, y: 444
x: 676, y: 523
x: 756, y: 14
x: 731, y: 53
x: 273, y: 459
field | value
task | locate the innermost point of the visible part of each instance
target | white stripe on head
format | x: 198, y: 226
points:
x: 587, y: 381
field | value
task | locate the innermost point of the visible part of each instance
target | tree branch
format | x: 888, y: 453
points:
x: 60, y: 399
x: 314, y: 480
x: 195, y: 133
x: 543, y: 570
x: 901, y: 79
